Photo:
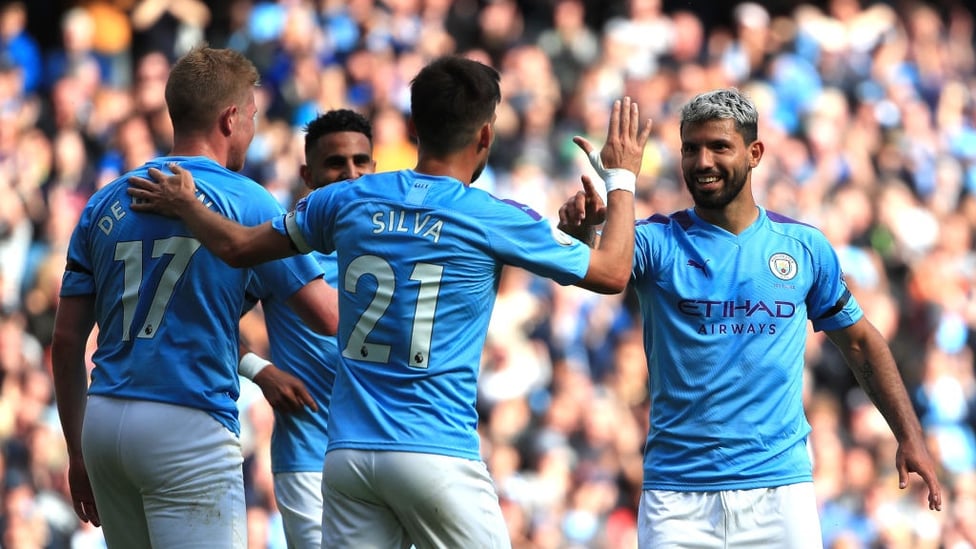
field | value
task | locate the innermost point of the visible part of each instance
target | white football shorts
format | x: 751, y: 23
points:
x: 785, y: 517
x: 394, y: 499
x: 299, y: 499
x: 164, y: 476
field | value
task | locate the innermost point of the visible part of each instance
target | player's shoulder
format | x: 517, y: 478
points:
x: 231, y: 193
x: 789, y: 226
x: 502, y: 205
x: 115, y: 190
x: 780, y: 228
x: 108, y: 193
x: 219, y: 180
x: 679, y: 220
x: 373, y: 186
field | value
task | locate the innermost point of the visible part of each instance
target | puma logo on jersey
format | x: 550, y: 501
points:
x: 697, y: 265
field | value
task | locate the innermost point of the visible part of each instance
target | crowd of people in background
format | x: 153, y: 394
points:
x: 871, y: 108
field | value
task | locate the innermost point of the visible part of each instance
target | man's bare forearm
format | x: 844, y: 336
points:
x: 878, y: 375
x: 872, y: 363
x: 176, y: 196
x: 73, y: 324
x: 224, y: 237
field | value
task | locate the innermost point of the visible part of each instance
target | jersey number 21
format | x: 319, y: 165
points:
x: 429, y: 276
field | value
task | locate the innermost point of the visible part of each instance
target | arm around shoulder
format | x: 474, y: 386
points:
x: 175, y: 196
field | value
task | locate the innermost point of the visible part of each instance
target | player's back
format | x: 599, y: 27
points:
x: 167, y: 309
x: 419, y: 259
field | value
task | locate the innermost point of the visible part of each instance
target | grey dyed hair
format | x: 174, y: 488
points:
x: 727, y: 104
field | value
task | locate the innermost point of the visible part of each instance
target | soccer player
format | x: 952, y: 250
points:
x: 154, y: 451
x: 420, y: 253
x: 726, y: 289
x: 338, y: 146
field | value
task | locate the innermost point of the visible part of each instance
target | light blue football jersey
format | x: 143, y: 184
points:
x: 167, y: 309
x: 299, y: 439
x: 725, y: 326
x: 419, y: 260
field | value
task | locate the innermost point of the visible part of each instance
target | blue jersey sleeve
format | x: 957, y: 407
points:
x: 648, y: 253
x: 522, y: 237
x: 286, y: 276
x: 78, y: 278
x: 311, y: 212
x: 830, y: 304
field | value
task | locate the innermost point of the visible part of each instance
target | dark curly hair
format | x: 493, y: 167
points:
x: 338, y: 120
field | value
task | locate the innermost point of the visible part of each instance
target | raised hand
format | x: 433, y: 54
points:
x: 624, y: 147
x: 617, y: 163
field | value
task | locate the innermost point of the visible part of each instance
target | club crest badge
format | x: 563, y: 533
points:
x: 783, y: 266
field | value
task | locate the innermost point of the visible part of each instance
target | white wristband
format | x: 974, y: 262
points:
x: 615, y: 179
x: 251, y: 364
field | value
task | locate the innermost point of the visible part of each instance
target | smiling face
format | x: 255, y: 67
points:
x: 338, y: 156
x: 716, y: 163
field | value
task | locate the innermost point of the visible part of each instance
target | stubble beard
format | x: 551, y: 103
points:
x: 724, y: 196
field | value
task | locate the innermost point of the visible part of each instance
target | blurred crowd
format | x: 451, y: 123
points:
x: 868, y: 112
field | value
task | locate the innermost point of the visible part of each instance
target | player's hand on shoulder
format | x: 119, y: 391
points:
x: 283, y: 391
x: 164, y: 194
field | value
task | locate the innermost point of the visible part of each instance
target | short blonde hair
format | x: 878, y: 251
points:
x: 203, y: 83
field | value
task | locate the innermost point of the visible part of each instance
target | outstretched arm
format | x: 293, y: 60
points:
x: 236, y: 244
x: 618, y: 164
x: 868, y: 356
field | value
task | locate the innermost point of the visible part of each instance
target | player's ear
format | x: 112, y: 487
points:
x: 306, y: 175
x: 485, y: 136
x: 756, y: 150
x: 227, y: 119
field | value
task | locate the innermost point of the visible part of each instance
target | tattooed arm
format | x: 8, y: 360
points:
x: 868, y: 356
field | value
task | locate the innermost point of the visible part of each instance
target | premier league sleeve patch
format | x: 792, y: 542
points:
x: 562, y: 238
